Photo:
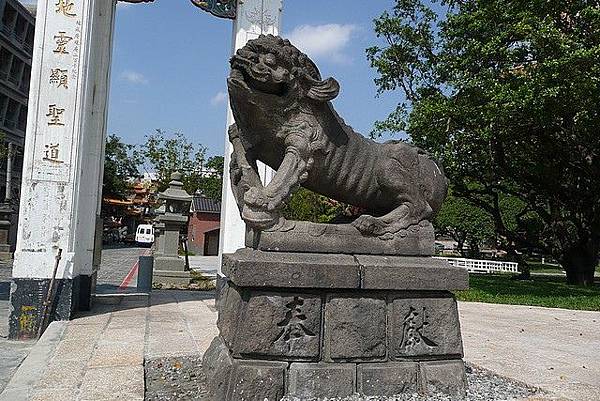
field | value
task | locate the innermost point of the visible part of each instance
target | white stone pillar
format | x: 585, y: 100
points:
x: 63, y: 158
x: 254, y: 17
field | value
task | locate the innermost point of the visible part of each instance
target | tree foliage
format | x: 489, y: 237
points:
x: 208, y: 180
x: 309, y: 206
x: 466, y: 224
x: 121, y: 162
x: 174, y: 153
x: 506, y: 94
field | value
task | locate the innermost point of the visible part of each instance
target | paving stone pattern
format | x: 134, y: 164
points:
x: 100, y: 355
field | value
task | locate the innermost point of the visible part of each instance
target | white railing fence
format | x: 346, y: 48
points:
x: 483, y: 266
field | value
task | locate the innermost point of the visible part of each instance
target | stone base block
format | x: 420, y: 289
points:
x: 171, y: 277
x: 296, y: 325
x: 387, y: 379
x: 309, y: 380
x: 232, y: 379
x: 27, y: 297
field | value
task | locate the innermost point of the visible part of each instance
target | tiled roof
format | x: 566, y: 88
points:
x: 203, y: 204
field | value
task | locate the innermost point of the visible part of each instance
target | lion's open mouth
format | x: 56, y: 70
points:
x: 264, y: 85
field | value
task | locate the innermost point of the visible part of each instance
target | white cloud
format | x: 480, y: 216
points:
x: 323, y: 40
x: 122, y: 5
x: 219, y: 98
x: 134, y: 77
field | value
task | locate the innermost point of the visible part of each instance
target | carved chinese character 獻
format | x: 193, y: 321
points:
x: 55, y: 114
x: 65, y: 7
x: 61, y: 40
x: 414, y: 336
x: 52, y: 153
x: 59, y: 78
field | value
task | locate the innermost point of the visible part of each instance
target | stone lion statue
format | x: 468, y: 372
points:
x: 284, y: 118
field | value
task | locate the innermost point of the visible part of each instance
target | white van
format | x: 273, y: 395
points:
x: 144, y: 235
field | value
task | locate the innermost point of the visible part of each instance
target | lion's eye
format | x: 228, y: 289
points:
x: 270, y: 59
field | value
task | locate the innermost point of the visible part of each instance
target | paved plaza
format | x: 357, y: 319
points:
x: 100, y: 355
x: 555, y: 349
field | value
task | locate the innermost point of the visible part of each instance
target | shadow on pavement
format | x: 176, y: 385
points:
x: 108, y: 303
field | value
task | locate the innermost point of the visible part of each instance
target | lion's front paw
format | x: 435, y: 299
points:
x: 369, y: 225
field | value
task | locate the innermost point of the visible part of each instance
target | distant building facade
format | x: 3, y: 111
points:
x: 17, y: 29
x: 204, y: 226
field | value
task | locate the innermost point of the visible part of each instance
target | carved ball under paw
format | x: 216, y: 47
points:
x: 259, y: 218
x: 255, y: 198
x: 369, y: 225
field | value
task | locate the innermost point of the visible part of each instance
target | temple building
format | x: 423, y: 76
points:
x: 17, y: 29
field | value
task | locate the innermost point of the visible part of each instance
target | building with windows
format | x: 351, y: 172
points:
x: 17, y: 29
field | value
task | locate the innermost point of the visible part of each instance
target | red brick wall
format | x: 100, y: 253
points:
x: 199, y: 224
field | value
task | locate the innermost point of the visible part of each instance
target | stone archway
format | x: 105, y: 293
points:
x: 64, y: 152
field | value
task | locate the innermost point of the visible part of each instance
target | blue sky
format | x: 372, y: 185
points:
x: 170, y: 64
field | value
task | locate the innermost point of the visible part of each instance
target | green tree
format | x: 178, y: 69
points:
x: 167, y: 155
x: 121, y: 163
x: 309, y: 206
x: 506, y: 94
x: 212, y: 180
x: 465, y: 223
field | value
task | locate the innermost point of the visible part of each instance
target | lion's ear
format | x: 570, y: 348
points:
x: 324, y: 91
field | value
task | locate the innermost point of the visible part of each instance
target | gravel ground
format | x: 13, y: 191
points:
x: 180, y: 378
x: 175, y: 379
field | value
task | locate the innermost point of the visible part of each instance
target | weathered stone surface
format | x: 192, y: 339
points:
x: 280, y: 324
x: 229, y: 307
x: 304, y: 236
x: 217, y: 365
x: 444, y: 376
x: 250, y: 268
x: 320, y: 380
x: 276, y: 91
x: 355, y: 328
x: 424, y: 327
x: 257, y: 381
x: 411, y: 273
x: 387, y: 379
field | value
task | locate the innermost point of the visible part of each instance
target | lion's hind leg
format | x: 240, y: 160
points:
x: 398, y: 179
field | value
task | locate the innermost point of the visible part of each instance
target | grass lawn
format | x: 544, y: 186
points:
x: 552, y: 292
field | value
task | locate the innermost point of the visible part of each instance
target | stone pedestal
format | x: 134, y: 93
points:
x: 330, y: 325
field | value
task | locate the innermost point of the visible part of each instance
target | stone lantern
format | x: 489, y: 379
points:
x: 169, y: 268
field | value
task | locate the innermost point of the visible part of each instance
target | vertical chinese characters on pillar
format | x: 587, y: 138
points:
x: 65, y: 7
x: 60, y: 66
x: 62, y: 39
x: 55, y: 115
x: 59, y: 78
